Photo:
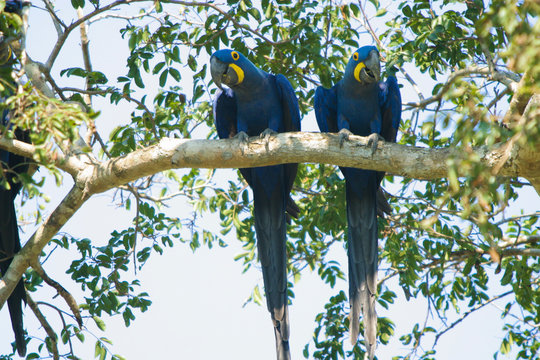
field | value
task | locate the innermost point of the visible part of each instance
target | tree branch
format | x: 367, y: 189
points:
x: 507, y: 78
x: 85, y: 48
x: 477, y: 307
x: 300, y: 147
x: 233, y: 20
x: 30, y: 253
x: 517, y: 217
x: 522, y: 94
x: 412, y: 162
x: 70, y: 300
x: 58, y: 24
x: 95, y: 177
x: 46, y: 326
x: 63, y: 37
x: 124, y: 17
x: 71, y: 164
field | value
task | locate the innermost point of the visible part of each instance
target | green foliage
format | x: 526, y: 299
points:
x: 10, y: 27
x: 58, y: 121
x: 450, y: 241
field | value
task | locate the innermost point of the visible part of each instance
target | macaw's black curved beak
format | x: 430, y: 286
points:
x: 373, y: 67
x: 224, y: 73
x: 218, y: 70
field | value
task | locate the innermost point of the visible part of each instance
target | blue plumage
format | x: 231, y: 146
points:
x: 14, y: 6
x: 12, y: 165
x: 361, y: 105
x: 260, y: 104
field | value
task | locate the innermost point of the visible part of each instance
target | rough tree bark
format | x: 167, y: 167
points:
x: 93, y: 177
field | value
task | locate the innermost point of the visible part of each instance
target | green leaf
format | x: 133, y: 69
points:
x: 257, y: 297
x: 158, y: 67
x: 163, y: 78
x: 77, y: 4
x: 99, y: 350
x: 175, y: 74
x: 192, y: 63
x: 381, y: 12
x: 99, y: 323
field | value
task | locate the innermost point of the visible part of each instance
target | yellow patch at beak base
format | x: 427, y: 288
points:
x: 239, y: 73
x: 357, y: 70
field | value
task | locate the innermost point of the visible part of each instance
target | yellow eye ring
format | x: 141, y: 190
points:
x: 355, y: 56
x: 235, y: 55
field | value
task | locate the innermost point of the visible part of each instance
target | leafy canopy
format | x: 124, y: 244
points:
x: 458, y: 242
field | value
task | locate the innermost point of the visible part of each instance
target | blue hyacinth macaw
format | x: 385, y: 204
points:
x: 14, y: 6
x: 362, y: 105
x: 11, y: 166
x: 257, y: 103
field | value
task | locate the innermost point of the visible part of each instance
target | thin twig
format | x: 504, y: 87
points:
x: 167, y: 197
x: 86, y: 55
x: 63, y: 37
x: 496, y: 99
x: 517, y: 217
x: 69, y: 299
x: 504, y: 77
x: 133, y: 250
x: 46, y: 326
x: 236, y: 23
x: 88, y: 91
x: 58, y: 24
x: 88, y: 67
x: 61, y: 314
x: 148, y: 112
x: 47, y: 74
x: 477, y: 307
x: 124, y: 17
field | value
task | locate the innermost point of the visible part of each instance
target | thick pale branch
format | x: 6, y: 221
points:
x: 94, y: 177
x: 412, y: 162
x: 71, y: 164
x: 532, y: 113
x: 31, y: 251
x: 36, y: 76
x: 522, y: 94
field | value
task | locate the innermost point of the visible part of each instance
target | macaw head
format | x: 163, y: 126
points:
x: 14, y: 6
x: 230, y: 67
x: 364, y: 65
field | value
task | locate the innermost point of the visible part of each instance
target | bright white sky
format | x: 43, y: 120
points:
x: 197, y: 297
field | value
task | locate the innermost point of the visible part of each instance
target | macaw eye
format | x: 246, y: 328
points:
x: 235, y: 55
x: 355, y: 56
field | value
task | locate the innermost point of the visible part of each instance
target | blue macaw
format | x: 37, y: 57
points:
x: 362, y: 105
x: 260, y: 104
x: 11, y: 166
x: 16, y: 5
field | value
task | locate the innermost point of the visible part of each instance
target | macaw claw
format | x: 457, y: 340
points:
x: 343, y: 135
x: 373, y: 141
x: 242, y: 137
x: 266, y: 134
